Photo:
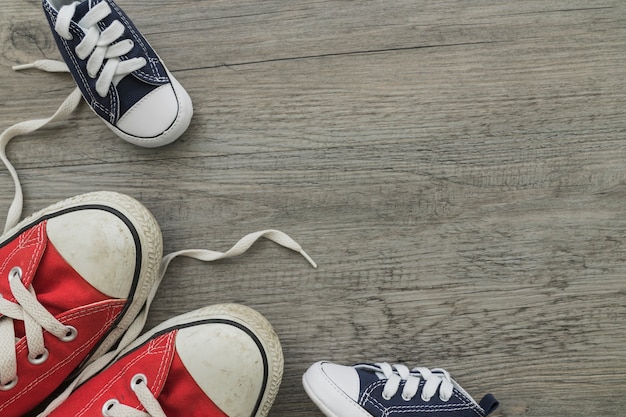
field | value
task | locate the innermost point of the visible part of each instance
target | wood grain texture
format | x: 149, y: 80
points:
x: 457, y: 169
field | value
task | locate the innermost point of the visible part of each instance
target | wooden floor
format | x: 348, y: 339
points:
x: 457, y: 169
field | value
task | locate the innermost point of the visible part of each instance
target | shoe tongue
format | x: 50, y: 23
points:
x: 82, y: 8
x: 370, y: 369
x: 380, y: 375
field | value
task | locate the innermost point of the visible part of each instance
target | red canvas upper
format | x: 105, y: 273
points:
x: 71, y: 299
x: 167, y: 379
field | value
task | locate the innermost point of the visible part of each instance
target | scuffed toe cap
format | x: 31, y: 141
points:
x: 99, y: 246
x: 226, y: 363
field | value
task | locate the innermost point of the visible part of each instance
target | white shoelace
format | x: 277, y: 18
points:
x: 435, y: 378
x: 100, y: 47
x: 36, y: 318
x: 21, y: 128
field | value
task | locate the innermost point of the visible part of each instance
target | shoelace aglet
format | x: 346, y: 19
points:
x: 47, y: 65
x: 22, y: 67
x: 308, y: 258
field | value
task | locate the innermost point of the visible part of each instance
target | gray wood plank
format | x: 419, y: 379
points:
x: 456, y: 168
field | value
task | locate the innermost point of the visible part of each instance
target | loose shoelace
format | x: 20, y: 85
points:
x: 433, y: 379
x: 21, y: 128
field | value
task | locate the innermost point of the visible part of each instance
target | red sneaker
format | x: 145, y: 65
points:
x: 73, y: 278
x: 222, y: 360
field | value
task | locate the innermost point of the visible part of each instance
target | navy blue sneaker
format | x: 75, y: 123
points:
x: 383, y: 390
x: 118, y: 73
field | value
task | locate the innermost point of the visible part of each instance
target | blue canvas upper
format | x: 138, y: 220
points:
x: 130, y: 89
x: 458, y: 405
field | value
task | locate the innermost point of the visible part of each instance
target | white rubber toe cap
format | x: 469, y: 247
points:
x: 334, y: 389
x: 159, y: 118
x: 152, y: 115
x: 344, y: 377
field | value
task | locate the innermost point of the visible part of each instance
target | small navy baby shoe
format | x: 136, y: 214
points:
x: 118, y: 73
x: 383, y: 390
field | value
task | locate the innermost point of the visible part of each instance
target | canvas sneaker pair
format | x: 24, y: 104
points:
x: 76, y: 283
x: 384, y: 390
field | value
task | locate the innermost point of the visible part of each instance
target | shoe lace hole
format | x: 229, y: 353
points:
x: 108, y: 406
x: 70, y: 335
x: 9, y: 386
x: 39, y: 359
x: 15, y: 273
x: 138, y: 379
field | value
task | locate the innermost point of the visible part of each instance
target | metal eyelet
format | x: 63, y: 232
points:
x: 385, y: 397
x: 9, y: 386
x: 108, y: 405
x: 39, y: 359
x: 138, y: 379
x: 70, y: 335
x: 15, y: 273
